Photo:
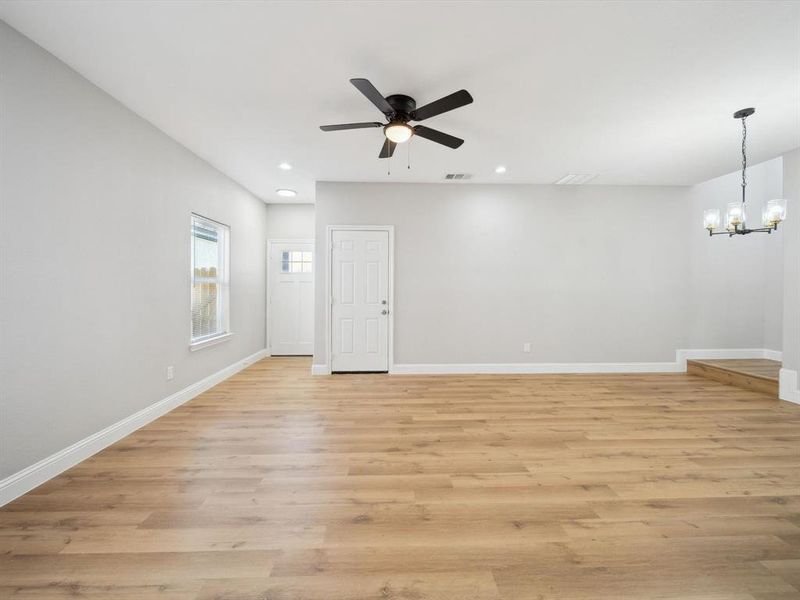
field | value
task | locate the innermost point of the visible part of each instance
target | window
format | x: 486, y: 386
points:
x: 295, y: 261
x: 210, y: 250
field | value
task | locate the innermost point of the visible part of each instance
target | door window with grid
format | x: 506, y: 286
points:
x: 295, y: 261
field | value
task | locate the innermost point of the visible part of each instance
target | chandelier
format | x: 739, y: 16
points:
x: 735, y: 221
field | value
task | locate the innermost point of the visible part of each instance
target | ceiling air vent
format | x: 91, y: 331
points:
x: 576, y: 178
x: 457, y: 176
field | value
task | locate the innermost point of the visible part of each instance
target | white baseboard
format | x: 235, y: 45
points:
x: 532, y: 368
x: 23, y: 481
x: 788, y: 389
x: 679, y: 366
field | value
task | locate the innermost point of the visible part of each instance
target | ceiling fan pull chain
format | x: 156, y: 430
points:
x: 409, y: 154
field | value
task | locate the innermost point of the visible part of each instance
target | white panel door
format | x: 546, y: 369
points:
x: 291, y: 298
x: 360, y: 301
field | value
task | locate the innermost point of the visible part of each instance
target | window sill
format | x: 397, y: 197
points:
x: 217, y: 339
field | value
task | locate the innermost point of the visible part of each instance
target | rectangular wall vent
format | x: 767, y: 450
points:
x: 457, y: 176
x: 576, y: 178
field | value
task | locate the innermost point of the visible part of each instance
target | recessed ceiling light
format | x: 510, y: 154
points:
x: 500, y: 169
x: 286, y: 193
x: 285, y: 166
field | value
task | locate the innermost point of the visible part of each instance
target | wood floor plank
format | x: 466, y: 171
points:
x: 282, y: 486
x: 475, y: 585
x: 118, y: 568
x: 71, y: 591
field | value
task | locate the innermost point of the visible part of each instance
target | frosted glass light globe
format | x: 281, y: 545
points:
x: 398, y: 132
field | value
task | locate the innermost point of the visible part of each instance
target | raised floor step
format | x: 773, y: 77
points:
x: 757, y: 374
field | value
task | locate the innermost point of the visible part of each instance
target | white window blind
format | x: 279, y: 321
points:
x: 210, y: 285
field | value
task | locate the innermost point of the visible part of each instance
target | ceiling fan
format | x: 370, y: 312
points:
x: 399, y: 110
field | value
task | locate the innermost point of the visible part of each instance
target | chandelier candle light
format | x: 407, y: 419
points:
x: 735, y: 219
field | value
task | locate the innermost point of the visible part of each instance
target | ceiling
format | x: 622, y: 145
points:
x: 637, y: 92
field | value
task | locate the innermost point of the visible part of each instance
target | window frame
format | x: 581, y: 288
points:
x: 302, y: 262
x: 223, y: 282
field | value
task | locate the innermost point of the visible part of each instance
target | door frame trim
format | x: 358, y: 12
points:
x: 270, y: 241
x: 328, y: 367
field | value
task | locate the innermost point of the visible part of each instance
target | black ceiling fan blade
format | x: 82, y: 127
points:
x: 388, y: 149
x: 442, y: 105
x: 342, y: 126
x: 373, y: 95
x: 434, y: 135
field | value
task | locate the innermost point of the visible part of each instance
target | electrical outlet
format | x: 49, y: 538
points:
x: 170, y: 373
x: 526, y: 347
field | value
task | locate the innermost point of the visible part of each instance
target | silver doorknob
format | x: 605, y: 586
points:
x: 384, y: 312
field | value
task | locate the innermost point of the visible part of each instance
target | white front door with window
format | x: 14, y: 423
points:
x: 290, y: 326
x: 359, y: 300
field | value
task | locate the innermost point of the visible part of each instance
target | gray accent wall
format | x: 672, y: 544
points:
x: 94, y: 237
x: 598, y: 274
x: 583, y: 273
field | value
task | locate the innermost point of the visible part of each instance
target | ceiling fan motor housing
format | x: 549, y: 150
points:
x: 404, y: 106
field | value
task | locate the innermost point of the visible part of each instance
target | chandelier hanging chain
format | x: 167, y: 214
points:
x: 744, y: 156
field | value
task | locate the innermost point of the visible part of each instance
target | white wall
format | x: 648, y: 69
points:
x: 586, y: 274
x: 95, y: 258
x: 791, y: 277
x: 290, y: 221
x: 737, y: 282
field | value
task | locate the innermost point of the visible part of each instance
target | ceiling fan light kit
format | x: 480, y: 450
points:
x: 399, y: 110
x: 736, y: 217
x: 398, y: 132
